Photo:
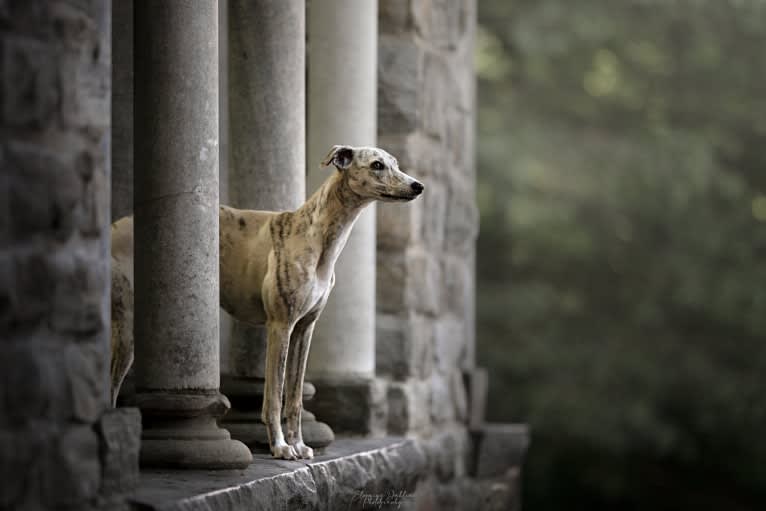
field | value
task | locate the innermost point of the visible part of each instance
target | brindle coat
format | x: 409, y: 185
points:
x: 277, y: 269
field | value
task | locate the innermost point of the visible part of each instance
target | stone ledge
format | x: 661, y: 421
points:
x: 347, y: 469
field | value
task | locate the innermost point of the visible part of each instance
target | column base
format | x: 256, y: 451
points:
x: 180, y: 431
x: 244, y: 420
x: 354, y: 406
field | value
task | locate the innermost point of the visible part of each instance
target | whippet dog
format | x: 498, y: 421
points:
x: 277, y: 269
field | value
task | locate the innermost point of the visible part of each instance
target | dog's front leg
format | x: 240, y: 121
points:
x: 300, y: 341
x: 276, y: 357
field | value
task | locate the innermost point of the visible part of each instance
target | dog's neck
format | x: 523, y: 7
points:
x: 334, y: 208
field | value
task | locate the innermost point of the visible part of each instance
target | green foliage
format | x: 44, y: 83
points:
x: 622, y: 257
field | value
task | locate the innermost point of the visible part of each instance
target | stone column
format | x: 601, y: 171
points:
x: 267, y: 157
x: 342, y: 110
x: 176, y: 237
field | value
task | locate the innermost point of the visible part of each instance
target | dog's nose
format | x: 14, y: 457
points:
x: 417, y: 187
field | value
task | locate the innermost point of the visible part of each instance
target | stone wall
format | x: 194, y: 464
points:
x: 59, y: 446
x: 426, y: 250
x: 426, y: 256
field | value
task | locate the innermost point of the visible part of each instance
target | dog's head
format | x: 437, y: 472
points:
x: 374, y: 174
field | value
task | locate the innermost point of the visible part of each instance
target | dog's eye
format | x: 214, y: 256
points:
x: 377, y: 165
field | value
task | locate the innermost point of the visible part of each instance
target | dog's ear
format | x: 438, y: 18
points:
x: 340, y: 156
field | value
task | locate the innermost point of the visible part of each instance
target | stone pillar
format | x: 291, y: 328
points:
x: 267, y: 156
x: 342, y: 110
x: 176, y: 237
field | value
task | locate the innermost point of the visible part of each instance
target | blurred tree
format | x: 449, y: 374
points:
x: 622, y: 258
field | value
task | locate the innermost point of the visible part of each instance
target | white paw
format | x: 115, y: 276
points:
x: 303, y: 450
x: 283, y: 451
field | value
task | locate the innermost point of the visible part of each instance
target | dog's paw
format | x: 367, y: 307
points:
x: 284, y: 451
x: 303, y: 451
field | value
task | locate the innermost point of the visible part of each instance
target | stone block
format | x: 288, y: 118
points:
x: 394, y: 16
x: 46, y: 187
x: 462, y: 219
x: 33, y: 288
x: 442, y: 22
x: 403, y: 346
x: 86, y: 369
x: 86, y: 86
x: 442, y: 407
x: 400, y: 62
x: 449, y: 343
x: 448, y: 453
x: 408, y: 404
x: 73, y: 25
x: 424, y: 282
x: 398, y: 225
x: 477, y: 386
x: 459, y: 129
x: 459, y: 395
x: 96, y: 210
x: 408, y: 282
x: 120, y: 438
x: 500, y: 447
x: 33, y: 384
x: 352, y: 406
x: 20, y: 462
x: 458, y: 282
x: 73, y: 473
x: 438, y: 82
x: 77, y: 307
x: 29, y: 82
x: 432, y: 224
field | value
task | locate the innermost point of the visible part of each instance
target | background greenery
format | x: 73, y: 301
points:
x: 622, y: 255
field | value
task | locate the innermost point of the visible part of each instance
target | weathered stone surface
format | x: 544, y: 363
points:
x: 398, y: 224
x: 477, y: 386
x: 54, y: 62
x: 441, y: 22
x: 119, y: 432
x: 408, y: 407
x: 394, y: 16
x: 437, y: 82
x: 433, y: 220
x: 84, y: 277
x: 449, y: 343
x: 45, y: 187
x: 403, y: 346
x: 458, y: 285
x: 74, y: 473
x: 462, y: 221
x: 398, y: 99
x: 500, y: 447
x: 350, y: 405
x: 442, y: 407
x: 86, y: 367
x: 33, y: 386
x: 341, y: 478
x: 459, y: 395
x: 448, y: 452
x: 409, y: 282
x: 30, y: 91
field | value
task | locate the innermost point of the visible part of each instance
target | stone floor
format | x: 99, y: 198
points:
x: 351, y: 473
